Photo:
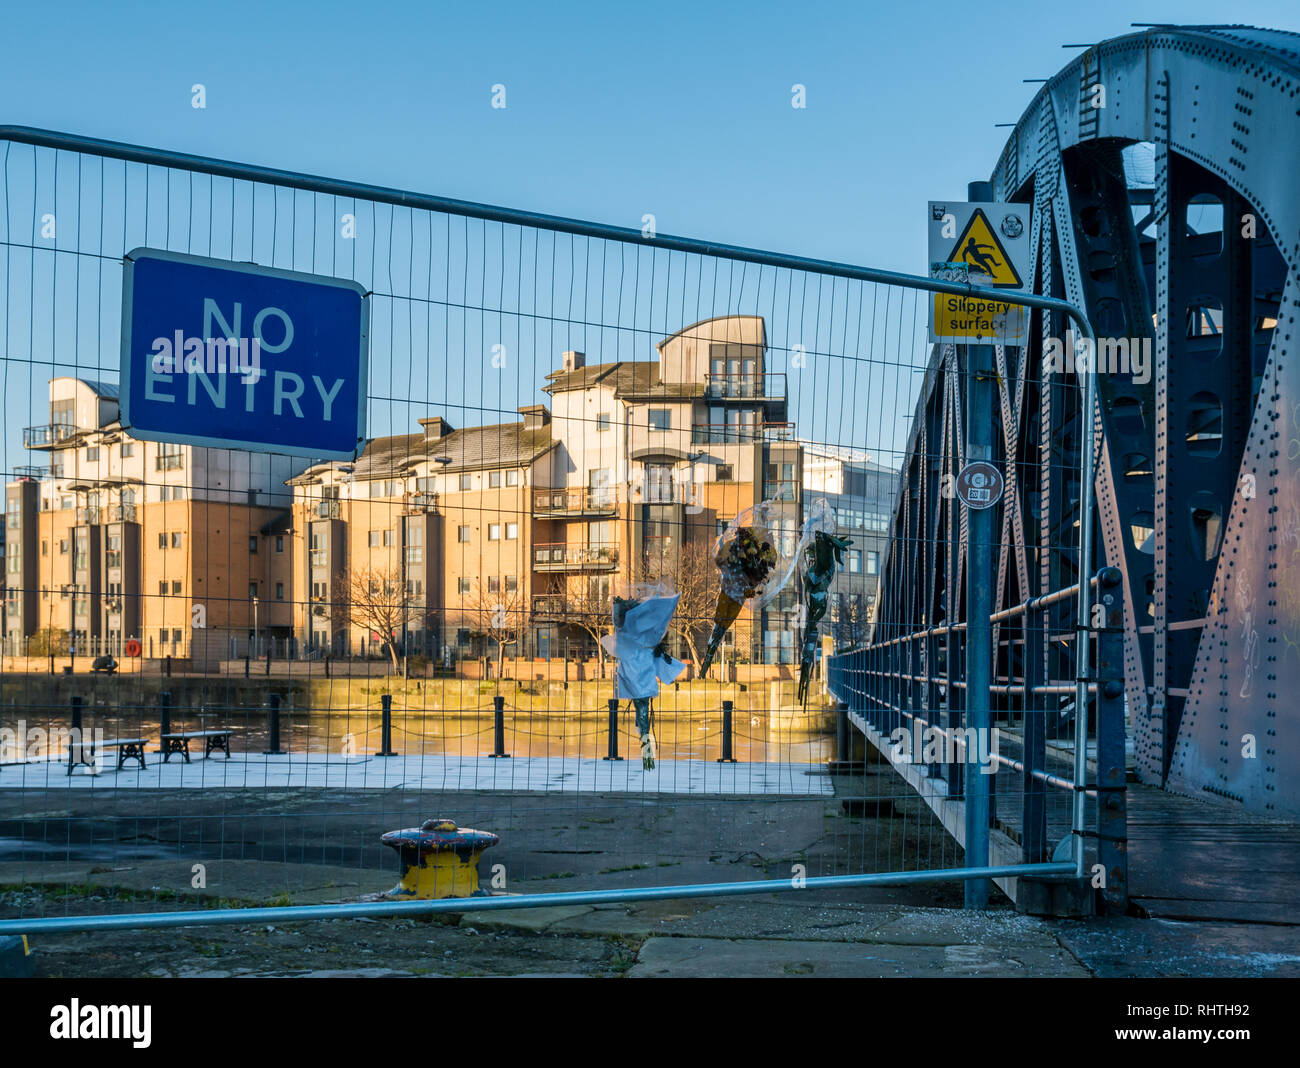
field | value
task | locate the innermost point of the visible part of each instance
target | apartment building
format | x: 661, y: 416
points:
x: 522, y: 531
x: 114, y: 539
x: 861, y: 495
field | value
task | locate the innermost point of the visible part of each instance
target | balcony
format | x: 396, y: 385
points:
x: 327, y: 509
x: 562, y: 502
x: 557, y: 556
x: 548, y: 609
x: 122, y: 513
x: 171, y: 462
x: 90, y: 515
x: 48, y: 436
x: 419, y: 503
x: 30, y: 471
x: 319, y: 558
x: 768, y: 386
x: 740, y: 434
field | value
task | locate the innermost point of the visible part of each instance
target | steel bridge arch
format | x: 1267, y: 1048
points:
x: 1198, y: 468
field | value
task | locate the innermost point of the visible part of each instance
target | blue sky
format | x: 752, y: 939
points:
x: 613, y: 111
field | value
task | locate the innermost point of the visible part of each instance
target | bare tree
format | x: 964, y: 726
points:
x: 694, y: 574
x: 501, y: 614
x: 377, y: 601
x: 586, y: 603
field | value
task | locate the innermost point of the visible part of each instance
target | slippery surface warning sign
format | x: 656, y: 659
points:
x: 986, y: 245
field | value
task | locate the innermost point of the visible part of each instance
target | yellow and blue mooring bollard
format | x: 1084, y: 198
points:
x: 439, y: 859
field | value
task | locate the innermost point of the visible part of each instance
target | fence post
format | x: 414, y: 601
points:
x: 386, y: 726
x: 612, y: 753
x: 1112, y: 793
x: 274, y: 727
x: 981, y: 416
x: 1034, y: 811
x: 726, y: 757
x: 169, y: 665
x: 499, y: 728
x: 164, y: 713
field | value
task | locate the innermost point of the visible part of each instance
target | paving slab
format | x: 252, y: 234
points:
x: 778, y: 958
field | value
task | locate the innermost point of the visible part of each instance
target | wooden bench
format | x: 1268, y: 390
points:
x: 179, y: 742
x: 127, y: 749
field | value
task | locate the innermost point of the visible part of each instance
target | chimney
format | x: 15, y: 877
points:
x: 573, y: 361
x: 536, y: 415
x: 436, y: 428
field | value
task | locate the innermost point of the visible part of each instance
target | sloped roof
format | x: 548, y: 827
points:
x: 636, y: 378
x: 475, y: 447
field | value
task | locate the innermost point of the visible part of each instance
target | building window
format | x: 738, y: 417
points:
x: 162, y: 635
x: 466, y: 482
x: 602, y: 421
x: 494, y: 480
x: 279, y: 591
x: 494, y: 584
x: 494, y: 532
x: 92, y: 454
x: 600, y: 486
x: 63, y: 546
x: 873, y: 561
x: 374, y: 539
x: 462, y: 586
x: 723, y: 473
x: 661, y: 419
x: 45, y: 547
x: 252, y: 543
x: 176, y: 586
x: 162, y: 540
x: 390, y: 538
x: 252, y: 590
x: 279, y: 543
x: 128, y: 449
x: 855, y: 561
x: 512, y: 583
x: 162, y: 588
x: 512, y: 531
x: 176, y: 539
x: 462, y: 535
x: 176, y: 636
x: 512, y: 478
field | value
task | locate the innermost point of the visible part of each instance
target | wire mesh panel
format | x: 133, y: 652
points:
x: 227, y: 673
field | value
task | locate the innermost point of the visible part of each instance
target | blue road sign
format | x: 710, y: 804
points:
x: 240, y: 356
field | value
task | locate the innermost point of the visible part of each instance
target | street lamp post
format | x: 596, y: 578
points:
x: 255, y: 650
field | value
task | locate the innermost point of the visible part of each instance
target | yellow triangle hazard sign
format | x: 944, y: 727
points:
x: 979, y: 247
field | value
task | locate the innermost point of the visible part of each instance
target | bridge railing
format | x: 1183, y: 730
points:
x: 907, y: 694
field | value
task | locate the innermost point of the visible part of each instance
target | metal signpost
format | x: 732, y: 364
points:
x: 240, y: 356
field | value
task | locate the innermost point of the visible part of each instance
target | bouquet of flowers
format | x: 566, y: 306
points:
x: 641, y: 617
x: 752, y: 567
x: 822, y: 553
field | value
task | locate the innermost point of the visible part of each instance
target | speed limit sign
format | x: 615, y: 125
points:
x: 980, y: 485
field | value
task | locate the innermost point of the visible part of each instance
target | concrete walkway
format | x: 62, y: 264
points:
x: 434, y: 772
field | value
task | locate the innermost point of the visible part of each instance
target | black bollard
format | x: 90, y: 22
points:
x: 164, y: 713
x: 273, y: 721
x: 499, y: 728
x: 726, y: 757
x: 169, y: 665
x: 613, y: 731
x: 76, y: 750
x: 327, y: 667
x: 268, y: 662
x: 245, y: 667
x: 386, y: 727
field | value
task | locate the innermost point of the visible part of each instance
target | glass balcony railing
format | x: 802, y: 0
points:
x: 766, y: 386
x: 740, y: 434
x: 47, y: 436
x: 575, y: 502
x: 558, y: 556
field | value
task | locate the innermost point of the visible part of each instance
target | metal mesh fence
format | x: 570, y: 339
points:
x: 280, y: 659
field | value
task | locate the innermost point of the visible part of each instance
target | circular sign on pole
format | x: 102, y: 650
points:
x: 980, y: 485
x: 132, y: 648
